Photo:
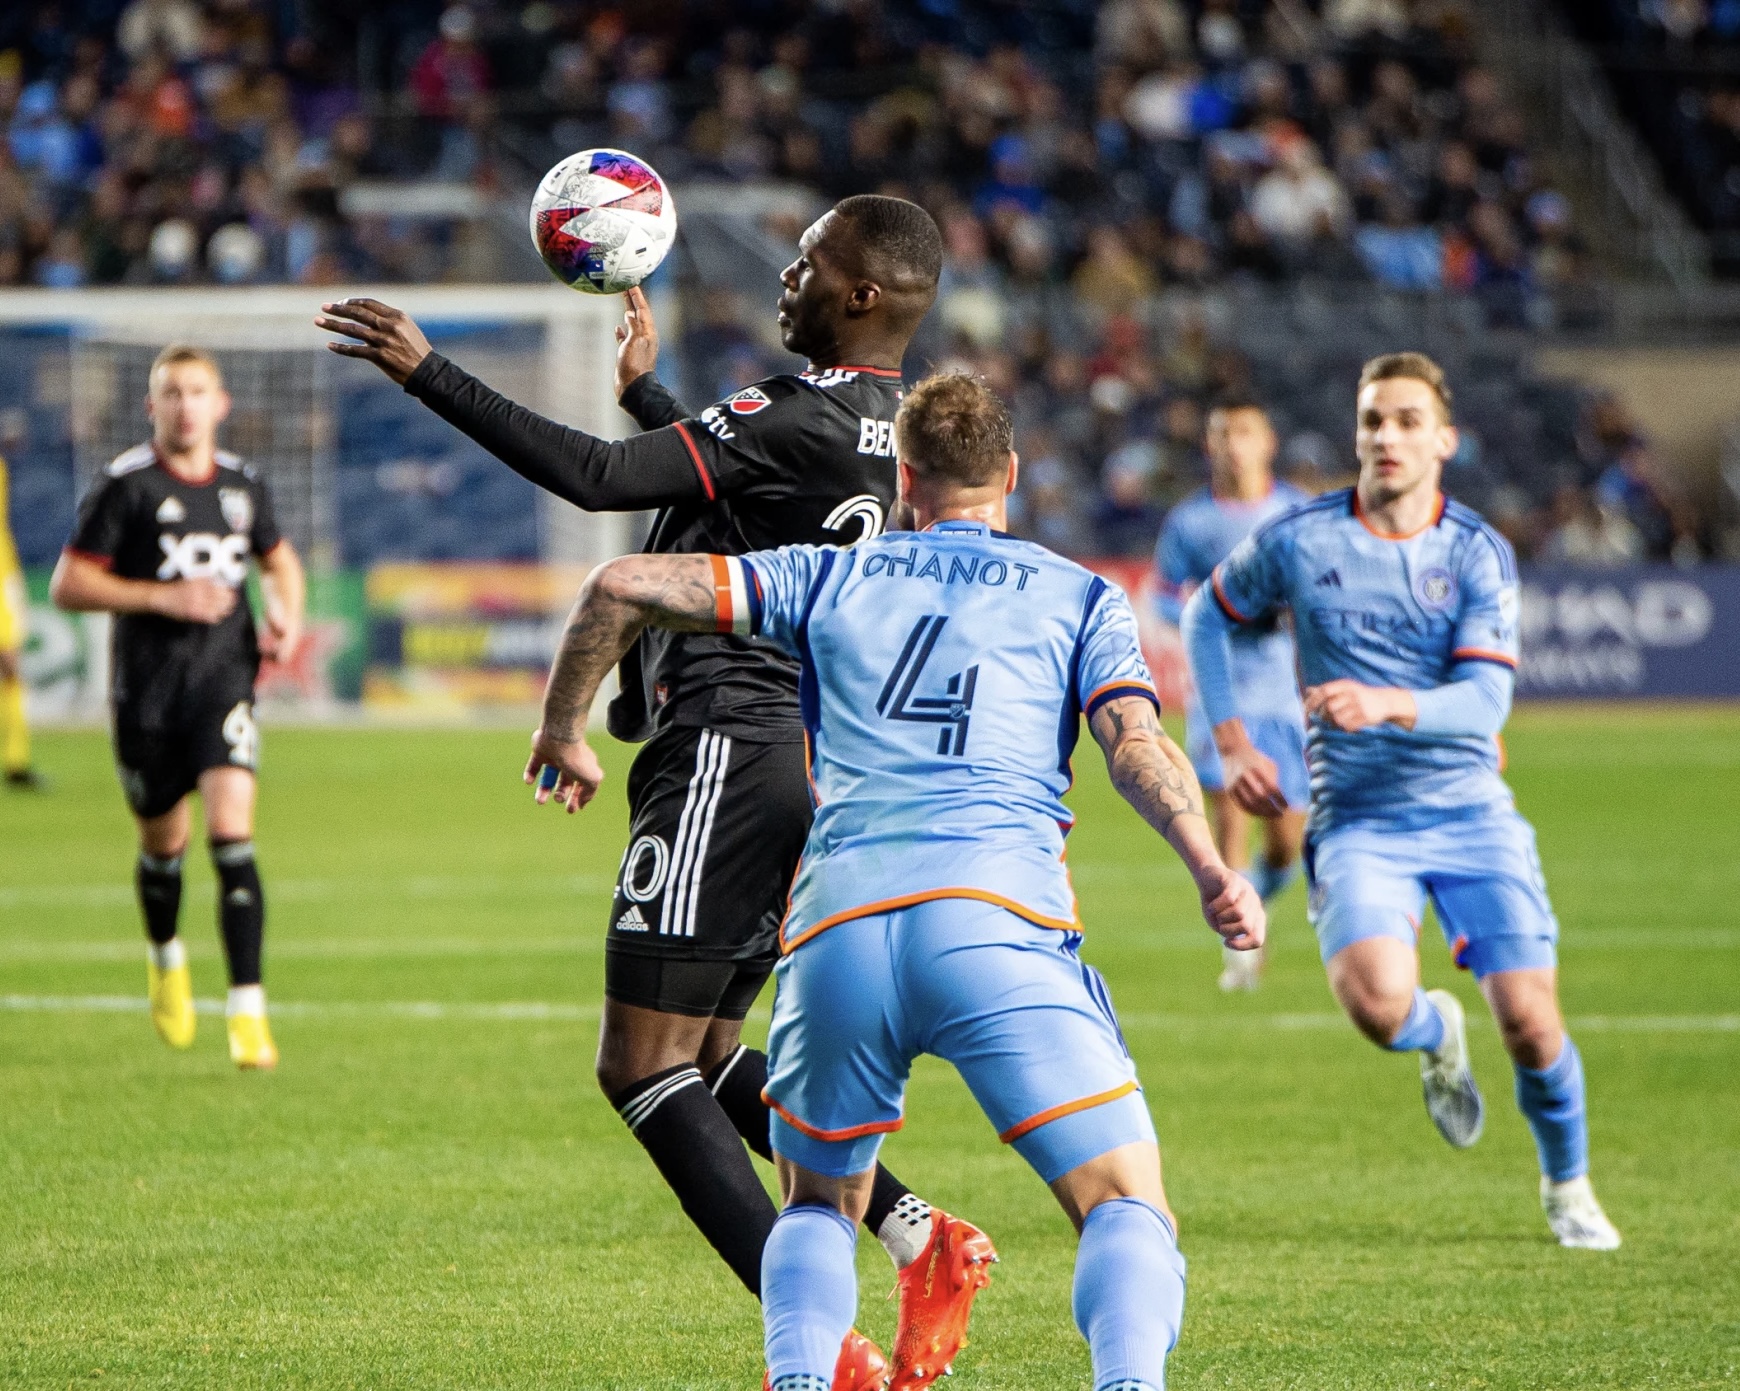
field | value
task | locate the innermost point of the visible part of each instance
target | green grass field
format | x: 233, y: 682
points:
x: 431, y: 1193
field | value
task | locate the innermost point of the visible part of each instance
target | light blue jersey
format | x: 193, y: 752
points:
x: 944, y: 677
x: 1200, y: 532
x: 1385, y: 611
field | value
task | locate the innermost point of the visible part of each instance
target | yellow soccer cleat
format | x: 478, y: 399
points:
x: 171, y: 994
x: 251, y: 1043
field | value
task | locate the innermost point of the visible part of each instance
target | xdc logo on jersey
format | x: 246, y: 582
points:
x: 200, y: 555
x: 951, y: 710
x: 1331, y: 578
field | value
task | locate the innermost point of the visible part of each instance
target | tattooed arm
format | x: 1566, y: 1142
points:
x: 1152, y: 774
x: 615, y: 603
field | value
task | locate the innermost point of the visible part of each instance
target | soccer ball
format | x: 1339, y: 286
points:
x: 603, y: 220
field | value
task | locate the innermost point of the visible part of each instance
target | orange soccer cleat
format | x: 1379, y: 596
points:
x: 861, y: 1367
x: 936, y: 1300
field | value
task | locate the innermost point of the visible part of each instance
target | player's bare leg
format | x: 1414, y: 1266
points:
x: 1549, y: 1091
x: 169, y: 983
x: 228, y: 795
x: 1129, y: 1275
x: 1377, y: 981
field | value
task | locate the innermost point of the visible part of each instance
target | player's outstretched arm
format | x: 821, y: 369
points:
x: 1153, y: 775
x: 1252, y: 779
x: 650, y: 470
x: 617, y: 601
x: 82, y: 585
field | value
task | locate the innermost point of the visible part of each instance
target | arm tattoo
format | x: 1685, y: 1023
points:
x: 1150, y: 772
x: 617, y: 601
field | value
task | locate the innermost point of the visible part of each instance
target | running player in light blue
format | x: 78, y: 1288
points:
x: 1405, y: 609
x: 944, y: 676
x: 1200, y: 531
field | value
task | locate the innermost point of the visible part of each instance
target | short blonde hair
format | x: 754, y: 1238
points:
x: 1415, y: 367
x: 177, y: 353
x: 952, y: 427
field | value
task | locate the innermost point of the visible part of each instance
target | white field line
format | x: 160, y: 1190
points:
x: 315, y: 890
x: 539, y: 1010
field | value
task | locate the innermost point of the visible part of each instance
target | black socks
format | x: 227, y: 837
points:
x: 737, y: 1083
x: 696, y: 1147
x: 158, y: 880
x: 241, y: 908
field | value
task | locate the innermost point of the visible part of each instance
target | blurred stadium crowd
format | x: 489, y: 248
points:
x: 1676, y: 67
x: 1101, y: 172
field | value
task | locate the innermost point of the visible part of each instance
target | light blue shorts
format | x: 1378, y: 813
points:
x: 1029, y: 1027
x: 1483, y: 876
x: 1282, y: 740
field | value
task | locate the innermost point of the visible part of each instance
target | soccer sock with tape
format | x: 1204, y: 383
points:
x: 1551, y: 1100
x: 692, y: 1141
x: 1422, y: 1031
x: 158, y: 880
x: 1129, y: 1294
x: 241, y: 908
x: 899, y: 1218
x: 16, y: 754
x: 809, y: 1295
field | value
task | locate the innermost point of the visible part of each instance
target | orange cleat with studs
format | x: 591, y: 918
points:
x: 936, y: 1300
x: 861, y: 1367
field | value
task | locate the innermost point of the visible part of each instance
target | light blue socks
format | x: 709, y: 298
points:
x: 1129, y: 1294
x: 1270, y: 882
x: 1552, y: 1101
x: 1422, y: 1031
x: 809, y: 1295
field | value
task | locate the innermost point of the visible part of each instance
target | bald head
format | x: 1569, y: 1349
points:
x: 866, y: 274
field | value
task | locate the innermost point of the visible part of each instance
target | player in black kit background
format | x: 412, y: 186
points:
x: 718, y: 796
x: 163, y: 541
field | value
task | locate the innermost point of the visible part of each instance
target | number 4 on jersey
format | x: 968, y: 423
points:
x: 951, y: 710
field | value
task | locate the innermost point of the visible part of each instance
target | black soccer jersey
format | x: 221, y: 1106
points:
x: 796, y: 459
x: 143, y: 523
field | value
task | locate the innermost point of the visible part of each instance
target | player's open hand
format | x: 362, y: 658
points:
x: 1231, y: 907
x: 637, y: 340
x: 568, y: 772
x: 390, y: 337
x: 1252, y: 779
x: 1351, y: 706
x: 196, y: 601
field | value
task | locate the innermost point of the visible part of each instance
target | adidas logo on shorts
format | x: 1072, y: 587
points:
x: 630, y: 921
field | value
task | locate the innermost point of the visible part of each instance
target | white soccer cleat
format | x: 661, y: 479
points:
x: 1240, y: 970
x: 1575, y: 1217
x: 1452, y: 1100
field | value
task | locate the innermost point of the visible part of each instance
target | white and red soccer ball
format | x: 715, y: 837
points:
x: 603, y: 220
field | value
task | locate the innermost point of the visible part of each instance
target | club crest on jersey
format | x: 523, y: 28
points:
x: 1435, y: 589
x: 748, y: 401
x: 237, y: 506
x: 171, y: 512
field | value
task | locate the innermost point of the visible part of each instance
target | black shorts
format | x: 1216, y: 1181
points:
x: 159, y: 765
x: 716, y: 827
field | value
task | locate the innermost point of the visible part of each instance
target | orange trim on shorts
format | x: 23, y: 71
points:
x: 851, y: 1132
x: 891, y: 905
x: 1069, y: 1108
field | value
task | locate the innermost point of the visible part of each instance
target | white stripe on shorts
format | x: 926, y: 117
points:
x: 689, y: 852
